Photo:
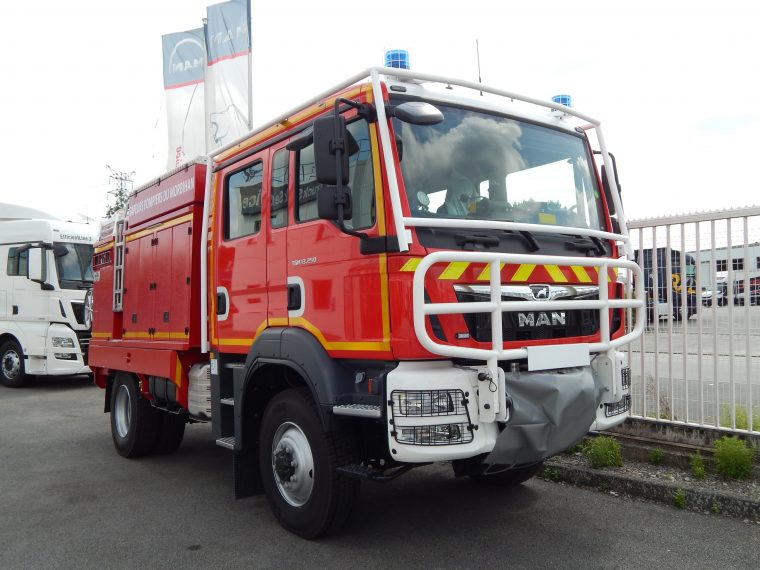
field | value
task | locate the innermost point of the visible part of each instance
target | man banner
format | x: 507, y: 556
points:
x: 184, y: 66
x: 228, y: 69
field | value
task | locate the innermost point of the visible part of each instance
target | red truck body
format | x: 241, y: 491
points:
x: 309, y: 321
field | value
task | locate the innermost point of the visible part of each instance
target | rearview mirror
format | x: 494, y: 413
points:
x: 36, y: 269
x: 327, y: 204
x: 330, y: 134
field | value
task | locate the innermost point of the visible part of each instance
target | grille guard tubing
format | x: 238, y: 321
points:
x: 496, y: 306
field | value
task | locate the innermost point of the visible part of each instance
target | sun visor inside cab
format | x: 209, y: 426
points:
x: 551, y: 411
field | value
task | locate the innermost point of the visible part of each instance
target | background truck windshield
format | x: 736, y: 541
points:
x: 481, y: 166
x: 75, y: 268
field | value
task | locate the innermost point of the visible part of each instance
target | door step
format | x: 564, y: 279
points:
x: 358, y: 411
x: 226, y: 442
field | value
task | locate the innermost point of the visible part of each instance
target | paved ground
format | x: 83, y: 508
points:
x: 67, y: 500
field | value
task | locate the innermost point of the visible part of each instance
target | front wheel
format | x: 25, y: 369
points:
x: 298, y: 459
x: 12, y: 372
x: 511, y: 477
x: 134, y: 422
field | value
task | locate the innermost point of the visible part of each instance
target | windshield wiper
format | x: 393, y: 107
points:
x: 533, y: 245
x: 479, y: 239
x: 586, y: 244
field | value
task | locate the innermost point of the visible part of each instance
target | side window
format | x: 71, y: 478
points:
x: 306, y: 193
x: 279, y: 206
x: 17, y: 262
x: 242, y: 208
x: 361, y: 181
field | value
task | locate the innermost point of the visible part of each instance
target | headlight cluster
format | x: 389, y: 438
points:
x: 428, y: 403
x: 625, y: 374
x: 410, y: 407
x: 63, y: 342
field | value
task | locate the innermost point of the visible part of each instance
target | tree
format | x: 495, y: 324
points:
x: 121, y: 192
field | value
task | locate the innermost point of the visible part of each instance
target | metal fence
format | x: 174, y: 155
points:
x: 698, y: 361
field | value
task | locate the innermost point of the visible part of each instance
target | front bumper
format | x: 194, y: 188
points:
x: 548, y: 410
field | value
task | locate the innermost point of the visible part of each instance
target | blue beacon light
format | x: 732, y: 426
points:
x: 397, y: 59
x: 563, y: 99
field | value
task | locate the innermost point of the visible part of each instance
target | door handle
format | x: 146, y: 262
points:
x: 221, y: 303
x: 294, y: 296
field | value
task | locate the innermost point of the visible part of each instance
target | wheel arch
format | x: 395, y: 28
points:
x: 283, y: 358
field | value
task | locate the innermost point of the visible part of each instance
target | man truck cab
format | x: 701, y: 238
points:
x: 45, y: 276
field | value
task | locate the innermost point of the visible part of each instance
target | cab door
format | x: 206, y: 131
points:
x: 239, y: 259
x: 343, y: 292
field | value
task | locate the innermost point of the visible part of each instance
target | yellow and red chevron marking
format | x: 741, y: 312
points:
x: 512, y: 273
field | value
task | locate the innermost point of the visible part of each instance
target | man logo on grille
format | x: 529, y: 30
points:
x: 540, y: 292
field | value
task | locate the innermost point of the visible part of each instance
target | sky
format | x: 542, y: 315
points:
x: 675, y: 84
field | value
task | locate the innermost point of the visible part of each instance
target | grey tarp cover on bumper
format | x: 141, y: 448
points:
x: 551, y: 411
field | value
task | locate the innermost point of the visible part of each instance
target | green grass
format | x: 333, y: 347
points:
x: 679, y: 498
x: 551, y: 474
x: 656, y: 456
x: 697, y: 465
x: 733, y: 458
x: 742, y: 417
x: 602, y: 452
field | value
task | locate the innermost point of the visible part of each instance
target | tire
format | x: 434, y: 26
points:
x: 12, y: 371
x: 171, y: 430
x: 309, y: 498
x: 134, y: 422
x: 512, y: 477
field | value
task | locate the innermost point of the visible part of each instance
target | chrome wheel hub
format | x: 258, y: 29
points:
x: 292, y: 464
x: 11, y: 364
x: 122, y: 411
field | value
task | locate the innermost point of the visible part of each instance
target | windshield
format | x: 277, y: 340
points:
x: 74, y: 267
x: 481, y: 166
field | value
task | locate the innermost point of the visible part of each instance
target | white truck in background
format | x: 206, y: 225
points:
x: 45, y: 290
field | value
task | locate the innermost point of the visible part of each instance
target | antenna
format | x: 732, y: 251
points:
x: 477, y: 51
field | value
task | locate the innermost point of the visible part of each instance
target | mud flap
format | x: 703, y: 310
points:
x: 551, y: 411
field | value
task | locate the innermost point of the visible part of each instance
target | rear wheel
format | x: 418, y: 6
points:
x: 12, y: 372
x: 511, y: 477
x: 298, y: 461
x: 134, y: 422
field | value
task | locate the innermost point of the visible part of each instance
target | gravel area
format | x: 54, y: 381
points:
x: 746, y: 489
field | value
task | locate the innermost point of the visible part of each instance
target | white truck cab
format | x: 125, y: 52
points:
x: 45, y: 282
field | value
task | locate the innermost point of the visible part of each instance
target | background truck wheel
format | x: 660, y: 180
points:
x: 298, y: 460
x: 512, y: 477
x: 12, y: 371
x: 134, y: 422
x: 171, y: 430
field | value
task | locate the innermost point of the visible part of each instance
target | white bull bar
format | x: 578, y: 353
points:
x: 495, y: 410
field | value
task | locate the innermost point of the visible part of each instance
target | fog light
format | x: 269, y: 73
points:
x: 65, y: 356
x: 63, y: 342
x: 445, y: 434
x: 618, y: 407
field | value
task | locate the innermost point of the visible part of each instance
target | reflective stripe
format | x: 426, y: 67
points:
x: 523, y: 272
x: 580, y: 273
x: 485, y: 275
x: 555, y: 273
x: 411, y: 265
x: 454, y: 270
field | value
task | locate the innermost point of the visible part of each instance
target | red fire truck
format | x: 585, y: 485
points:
x: 398, y: 272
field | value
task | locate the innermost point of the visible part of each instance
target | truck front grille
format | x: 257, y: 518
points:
x: 534, y: 325
x: 84, y: 342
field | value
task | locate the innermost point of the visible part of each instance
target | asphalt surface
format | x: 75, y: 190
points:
x: 67, y: 500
